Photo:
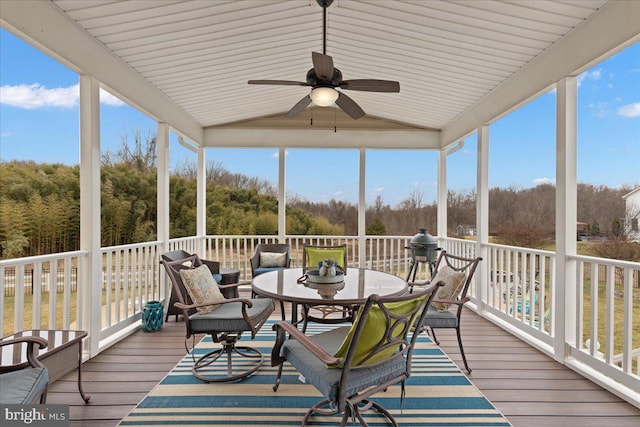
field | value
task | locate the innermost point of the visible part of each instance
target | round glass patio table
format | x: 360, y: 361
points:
x: 359, y: 284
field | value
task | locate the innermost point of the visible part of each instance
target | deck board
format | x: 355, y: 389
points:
x: 528, y: 387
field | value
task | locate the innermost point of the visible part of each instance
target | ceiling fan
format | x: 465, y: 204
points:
x: 325, y: 79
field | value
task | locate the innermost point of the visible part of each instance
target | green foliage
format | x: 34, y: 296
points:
x: 376, y: 228
x: 40, y: 205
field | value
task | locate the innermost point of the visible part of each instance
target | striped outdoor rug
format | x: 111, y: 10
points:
x: 437, y: 394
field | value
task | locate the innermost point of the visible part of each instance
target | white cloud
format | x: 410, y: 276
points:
x: 378, y: 190
x: 36, y: 95
x: 540, y: 181
x: 6, y: 134
x: 107, y: 99
x: 599, y: 109
x: 630, y: 110
x: 591, y: 75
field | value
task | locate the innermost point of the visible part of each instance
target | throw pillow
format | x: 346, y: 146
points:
x: 273, y: 259
x: 453, y: 281
x: 374, y: 330
x: 202, y: 287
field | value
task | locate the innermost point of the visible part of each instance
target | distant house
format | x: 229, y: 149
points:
x: 632, y: 214
x: 465, y: 230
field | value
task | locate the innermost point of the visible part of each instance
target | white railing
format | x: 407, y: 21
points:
x: 608, y: 302
x: 515, y: 288
x: 130, y: 278
x: 26, y: 297
x: 518, y: 292
x: 383, y: 253
x: 521, y: 285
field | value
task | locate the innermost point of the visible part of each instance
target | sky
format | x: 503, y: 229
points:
x: 39, y: 122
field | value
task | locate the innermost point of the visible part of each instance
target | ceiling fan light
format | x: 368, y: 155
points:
x: 324, y: 96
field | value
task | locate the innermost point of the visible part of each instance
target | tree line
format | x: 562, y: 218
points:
x: 40, y: 214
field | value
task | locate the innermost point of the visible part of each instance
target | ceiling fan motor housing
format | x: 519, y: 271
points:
x: 315, y: 81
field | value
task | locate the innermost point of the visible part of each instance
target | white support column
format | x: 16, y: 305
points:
x: 162, y: 218
x: 90, y: 282
x: 201, y: 200
x: 282, y: 196
x: 564, y: 310
x: 442, y: 194
x: 482, y: 216
x: 362, y: 210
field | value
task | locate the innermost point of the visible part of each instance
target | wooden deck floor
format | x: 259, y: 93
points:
x: 528, y: 387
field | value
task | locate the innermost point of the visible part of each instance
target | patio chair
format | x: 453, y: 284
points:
x: 218, y: 311
x: 214, y: 266
x: 350, y: 364
x: 270, y: 257
x: 456, y: 273
x: 333, y: 314
x: 23, y: 383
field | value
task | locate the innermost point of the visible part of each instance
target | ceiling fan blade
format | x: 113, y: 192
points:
x: 299, y: 107
x: 276, y: 82
x: 371, y: 85
x: 323, y: 65
x: 349, y: 106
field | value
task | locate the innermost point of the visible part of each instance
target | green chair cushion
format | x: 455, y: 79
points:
x: 373, y: 332
x: 317, y: 255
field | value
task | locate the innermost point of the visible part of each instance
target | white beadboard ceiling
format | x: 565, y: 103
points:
x: 447, y: 55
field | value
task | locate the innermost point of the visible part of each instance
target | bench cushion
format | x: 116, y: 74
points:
x: 24, y: 386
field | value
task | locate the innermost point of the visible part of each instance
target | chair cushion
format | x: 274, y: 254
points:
x: 23, y: 386
x: 327, y: 380
x: 317, y: 255
x: 453, y: 282
x: 273, y: 259
x: 261, y: 270
x: 374, y: 330
x: 202, y: 287
x: 440, y: 319
x: 228, y: 317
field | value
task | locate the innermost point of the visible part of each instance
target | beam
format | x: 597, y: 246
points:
x: 307, y: 138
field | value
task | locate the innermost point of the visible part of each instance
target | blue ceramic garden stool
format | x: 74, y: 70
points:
x: 152, y: 316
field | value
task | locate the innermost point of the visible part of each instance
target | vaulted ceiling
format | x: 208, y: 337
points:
x: 459, y: 63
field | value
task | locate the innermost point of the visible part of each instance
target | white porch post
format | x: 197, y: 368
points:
x: 362, y: 210
x: 442, y: 195
x: 201, y: 200
x: 282, y: 196
x: 163, y: 198
x: 564, y: 311
x: 482, y: 216
x: 90, y: 279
